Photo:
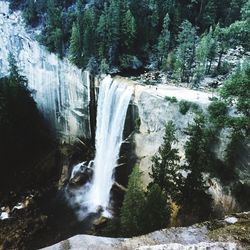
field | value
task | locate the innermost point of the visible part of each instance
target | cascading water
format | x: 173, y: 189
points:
x: 113, y: 101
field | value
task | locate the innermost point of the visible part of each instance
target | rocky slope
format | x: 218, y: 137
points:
x: 232, y: 233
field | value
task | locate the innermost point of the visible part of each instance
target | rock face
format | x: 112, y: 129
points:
x: 232, y: 233
x: 155, y: 112
x: 60, y: 89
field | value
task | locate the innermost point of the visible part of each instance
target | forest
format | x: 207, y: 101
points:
x: 185, y: 38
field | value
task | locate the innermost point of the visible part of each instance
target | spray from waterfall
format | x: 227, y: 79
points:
x: 113, y: 101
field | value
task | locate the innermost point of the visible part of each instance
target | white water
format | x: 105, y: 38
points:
x: 113, y: 101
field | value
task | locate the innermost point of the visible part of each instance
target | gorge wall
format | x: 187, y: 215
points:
x: 60, y: 89
x: 63, y: 93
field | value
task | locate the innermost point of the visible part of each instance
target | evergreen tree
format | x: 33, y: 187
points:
x: 165, y: 168
x: 133, y: 205
x: 52, y: 36
x: 185, y: 52
x: 15, y: 77
x: 209, y: 17
x: 234, y: 11
x: 236, y: 92
x: 89, y: 37
x: 75, y: 46
x: 30, y: 13
x: 164, y: 41
x: 196, y: 204
x: 157, y: 210
x: 206, y: 51
x: 128, y: 29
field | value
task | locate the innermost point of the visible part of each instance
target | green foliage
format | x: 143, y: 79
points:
x: 196, y: 204
x: 164, y: 41
x: 196, y: 108
x: 184, y: 106
x: 104, y: 67
x: 236, y: 92
x: 157, y: 210
x: 165, y: 168
x: 218, y: 113
x: 205, y: 54
x: 75, y: 44
x: 233, y: 151
x: 171, y: 99
x: 15, y: 78
x: 30, y: 13
x: 142, y: 213
x: 53, y: 35
x: 133, y: 205
x: 155, y: 31
x: 185, y: 52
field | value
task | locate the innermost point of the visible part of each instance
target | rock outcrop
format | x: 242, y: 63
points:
x: 232, y: 233
x: 59, y: 88
x: 155, y: 111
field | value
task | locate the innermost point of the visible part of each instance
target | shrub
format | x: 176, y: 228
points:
x: 195, y: 107
x: 184, y: 106
x: 171, y: 99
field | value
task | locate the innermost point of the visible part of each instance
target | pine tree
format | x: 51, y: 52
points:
x: 133, y: 205
x: 89, y: 36
x: 196, y: 203
x: 234, y: 11
x: 128, y: 30
x: 75, y: 46
x: 109, y: 32
x: 164, y: 41
x: 157, y: 210
x: 52, y: 36
x: 15, y: 77
x: 206, y: 51
x: 30, y: 13
x: 165, y: 168
x: 185, y: 52
x: 209, y: 16
x: 236, y: 92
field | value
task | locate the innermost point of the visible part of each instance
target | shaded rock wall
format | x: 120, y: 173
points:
x: 60, y: 89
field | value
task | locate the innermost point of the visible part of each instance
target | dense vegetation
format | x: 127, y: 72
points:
x: 25, y: 137
x: 187, y: 37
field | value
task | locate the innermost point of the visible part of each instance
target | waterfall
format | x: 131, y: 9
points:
x: 113, y: 101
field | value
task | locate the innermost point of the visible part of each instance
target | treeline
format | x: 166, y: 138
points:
x: 184, y: 37
x: 178, y: 192
x: 25, y: 136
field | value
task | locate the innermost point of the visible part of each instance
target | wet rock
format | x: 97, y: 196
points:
x: 99, y: 222
x: 83, y: 176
